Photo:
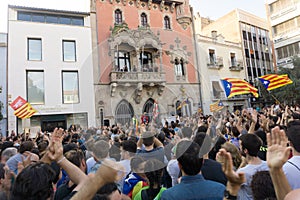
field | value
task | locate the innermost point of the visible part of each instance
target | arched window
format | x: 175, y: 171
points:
x: 148, y: 108
x: 179, y: 67
x: 118, y: 16
x: 124, y: 113
x: 167, y: 24
x: 144, y: 21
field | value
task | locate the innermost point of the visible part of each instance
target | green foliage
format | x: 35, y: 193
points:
x: 290, y: 94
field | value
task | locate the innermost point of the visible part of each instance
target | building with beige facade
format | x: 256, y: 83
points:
x: 252, y: 32
x: 219, y: 59
x: 284, y: 19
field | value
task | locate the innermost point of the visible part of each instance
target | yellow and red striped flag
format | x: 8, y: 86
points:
x: 22, y: 108
x: 214, y: 107
x: 235, y: 86
x: 273, y: 81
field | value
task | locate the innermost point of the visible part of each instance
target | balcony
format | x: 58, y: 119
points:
x: 146, y: 78
x: 213, y: 63
x: 236, y: 66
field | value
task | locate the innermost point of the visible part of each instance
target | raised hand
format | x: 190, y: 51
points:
x: 278, y: 152
x: 234, y: 179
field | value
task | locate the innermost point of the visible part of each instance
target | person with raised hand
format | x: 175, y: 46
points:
x: 277, y: 155
x: 234, y: 179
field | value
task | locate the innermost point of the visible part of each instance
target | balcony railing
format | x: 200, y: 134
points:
x: 213, y: 63
x: 138, y: 77
x: 236, y: 66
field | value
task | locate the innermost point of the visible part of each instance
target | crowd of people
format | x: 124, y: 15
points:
x: 245, y: 154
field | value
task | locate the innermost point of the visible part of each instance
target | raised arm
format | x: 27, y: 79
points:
x: 277, y: 154
x: 107, y: 173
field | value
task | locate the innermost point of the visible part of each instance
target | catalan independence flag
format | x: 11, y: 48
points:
x: 273, y: 81
x: 234, y: 86
x: 22, y: 108
x: 183, y: 103
x: 214, y: 107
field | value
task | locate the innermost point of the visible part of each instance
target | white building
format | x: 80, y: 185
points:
x: 284, y: 19
x: 50, y: 65
x: 3, y: 79
x: 219, y: 59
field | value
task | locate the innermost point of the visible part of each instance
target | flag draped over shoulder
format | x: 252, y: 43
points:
x: 234, y: 86
x: 214, y: 107
x: 273, y: 81
x: 22, y: 108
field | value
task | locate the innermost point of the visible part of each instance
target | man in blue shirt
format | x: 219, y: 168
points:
x: 192, y: 186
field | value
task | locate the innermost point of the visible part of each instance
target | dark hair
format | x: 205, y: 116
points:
x: 135, y: 162
x: 106, y: 190
x: 204, y: 141
x: 130, y: 146
x: 252, y: 143
x: 235, y: 131
x: 26, y: 146
x: 202, y: 129
x: 154, y: 171
x: 187, y: 132
x: 187, y: 154
x: 262, y: 135
x: 33, y: 182
x: 262, y: 186
x: 148, y: 141
x: 75, y: 156
x: 294, y: 134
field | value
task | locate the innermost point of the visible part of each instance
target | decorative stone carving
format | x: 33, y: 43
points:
x: 172, y: 7
x: 124, y: 2
x: 138, y: 2
x: 138, y: 93
x: 162, y: 5
x: 113, y: 88
x: 161, y: 89
x: 149, y: 4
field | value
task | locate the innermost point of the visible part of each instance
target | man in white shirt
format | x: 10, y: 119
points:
x: 292, y: 167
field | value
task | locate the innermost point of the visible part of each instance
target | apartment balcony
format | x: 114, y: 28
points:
x: 236, y: 66
x: 215, y: 63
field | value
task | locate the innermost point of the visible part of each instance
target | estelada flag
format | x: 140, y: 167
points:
x: 214, y: 107
x: 235, y: 86
x: 273, y: 81
x: 22, y: 108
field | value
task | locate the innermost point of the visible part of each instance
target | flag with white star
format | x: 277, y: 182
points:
x: 273, y: 81
x: 235, y: 86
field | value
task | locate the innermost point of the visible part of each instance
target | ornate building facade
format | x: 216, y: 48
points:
x: 144, y: 54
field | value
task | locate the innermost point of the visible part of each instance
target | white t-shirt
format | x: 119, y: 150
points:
x: 291, y: 170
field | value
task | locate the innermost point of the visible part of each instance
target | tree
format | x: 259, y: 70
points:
x: 289, y: 94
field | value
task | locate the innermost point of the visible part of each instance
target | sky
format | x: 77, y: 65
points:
x: 207, y: 8
x: 215, y: 9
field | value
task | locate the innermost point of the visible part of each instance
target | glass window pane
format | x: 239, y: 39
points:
x: 24, y: 16
x: 77, y: 21
x: 69, y: 52
x: 34, y: 49
x: 65, y: 20
x: 38, y: 18
x: 70, y: 87
x: 51, y: 19
x: 35, y: 87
